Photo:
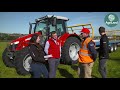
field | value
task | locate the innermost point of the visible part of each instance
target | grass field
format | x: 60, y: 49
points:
x: 66, y: 71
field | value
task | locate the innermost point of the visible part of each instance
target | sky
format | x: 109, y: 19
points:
x: 18, y: 22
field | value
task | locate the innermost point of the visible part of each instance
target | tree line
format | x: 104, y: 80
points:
x: 9, y: 37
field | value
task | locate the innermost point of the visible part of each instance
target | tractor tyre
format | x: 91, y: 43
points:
x: 114, y: 47
x: 23, y: 61
x: 70, y: 51
x: 6, y: 60
x: 111, y: 49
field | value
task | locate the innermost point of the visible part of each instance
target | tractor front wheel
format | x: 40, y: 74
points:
x: 23, y: 61
x: 6, y: 58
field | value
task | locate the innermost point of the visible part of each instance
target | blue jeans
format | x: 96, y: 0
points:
x: 53, y: 64
x: 102, y: 67
x: 39, y: 69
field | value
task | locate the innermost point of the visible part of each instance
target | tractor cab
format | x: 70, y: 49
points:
x: 47, y: 24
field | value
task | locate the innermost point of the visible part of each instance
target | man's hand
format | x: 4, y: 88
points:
x: 47, y: 56
x: 46, y: 59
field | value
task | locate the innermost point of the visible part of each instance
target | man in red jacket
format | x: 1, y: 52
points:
x: 53, y: 49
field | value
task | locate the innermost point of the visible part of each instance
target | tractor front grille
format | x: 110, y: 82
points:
x: 13, y: 47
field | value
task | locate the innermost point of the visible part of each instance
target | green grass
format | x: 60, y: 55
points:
x: 66, y: 71
x: 113, y: 66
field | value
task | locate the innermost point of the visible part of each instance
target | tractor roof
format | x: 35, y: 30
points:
x: 58, y: 17
x: 50, y: 16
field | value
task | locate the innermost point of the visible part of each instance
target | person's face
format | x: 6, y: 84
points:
x: 102, y: 33
x: 38, y: 39
x: 83, y: 35
x: 54, y: 36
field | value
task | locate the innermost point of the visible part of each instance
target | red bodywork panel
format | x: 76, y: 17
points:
x: 23, y: 41
x: 64, y: 37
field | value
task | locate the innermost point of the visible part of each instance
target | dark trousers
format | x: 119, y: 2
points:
x: 102, y: 67
x: 53, y: 64
x: 39, y: 70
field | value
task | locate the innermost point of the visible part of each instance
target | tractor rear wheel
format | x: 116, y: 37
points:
x: 70, y: 51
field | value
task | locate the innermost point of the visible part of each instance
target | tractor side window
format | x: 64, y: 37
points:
x: 70, y: 30
x: 60, y: 29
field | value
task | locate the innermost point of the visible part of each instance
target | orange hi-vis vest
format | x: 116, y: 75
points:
x: 84, y: 54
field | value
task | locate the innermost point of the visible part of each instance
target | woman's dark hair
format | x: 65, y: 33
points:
x: 33, y: 41
x: 34, y: 38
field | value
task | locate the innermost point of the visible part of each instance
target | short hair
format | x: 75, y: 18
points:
x: 53, y: 32
x: 101, y: 29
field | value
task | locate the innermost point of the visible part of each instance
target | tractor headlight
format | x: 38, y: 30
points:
x: 13, y: 45
x: 16, y: 42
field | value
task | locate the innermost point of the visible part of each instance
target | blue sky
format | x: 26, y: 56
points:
x: 18, y: 22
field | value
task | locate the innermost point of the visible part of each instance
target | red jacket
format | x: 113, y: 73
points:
x: 54, y: 48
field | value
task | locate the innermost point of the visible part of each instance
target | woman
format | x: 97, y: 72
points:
x: 38, y: 68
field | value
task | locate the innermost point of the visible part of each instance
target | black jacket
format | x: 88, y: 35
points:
x: 104, y: 47
x: 92, y: 49
x: 36, y: 53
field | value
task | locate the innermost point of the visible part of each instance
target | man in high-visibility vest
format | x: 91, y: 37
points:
x: 87, y: 54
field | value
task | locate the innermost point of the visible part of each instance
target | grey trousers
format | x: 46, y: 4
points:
x: 53, y: 64
x: 102, y: 67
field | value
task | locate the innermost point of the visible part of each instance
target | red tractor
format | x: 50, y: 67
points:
x: 17, y: 53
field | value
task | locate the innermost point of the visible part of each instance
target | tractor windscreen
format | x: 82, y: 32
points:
x: 48, y: 25
x: 45, y: 26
